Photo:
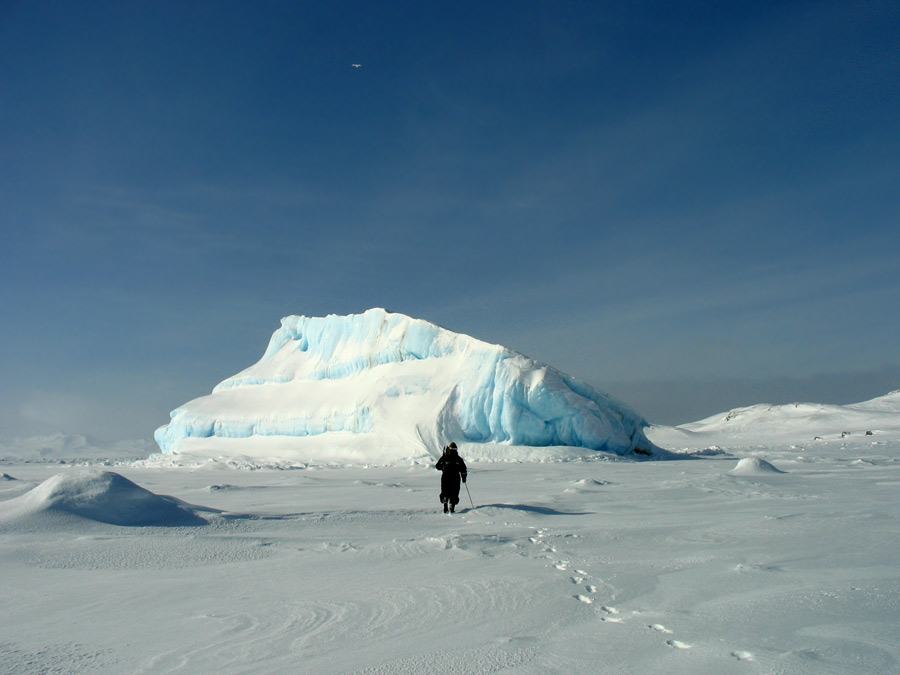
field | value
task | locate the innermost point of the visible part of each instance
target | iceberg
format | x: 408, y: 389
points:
x: 380, y: 387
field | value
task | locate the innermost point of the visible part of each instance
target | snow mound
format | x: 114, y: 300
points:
x: 101, y: 496
x: 754, y: 466
x: 380, y: 387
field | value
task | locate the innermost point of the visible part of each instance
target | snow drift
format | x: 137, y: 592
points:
x: 379, y: 387
x: 101, y: 496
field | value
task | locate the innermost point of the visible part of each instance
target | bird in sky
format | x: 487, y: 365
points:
x: 356, y: 65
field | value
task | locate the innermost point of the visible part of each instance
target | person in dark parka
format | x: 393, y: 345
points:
x: 453, y: 468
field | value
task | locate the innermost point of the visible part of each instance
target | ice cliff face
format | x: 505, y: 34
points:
x: 382, y: 386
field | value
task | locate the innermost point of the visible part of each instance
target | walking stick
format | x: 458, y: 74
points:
x: 470, y: 496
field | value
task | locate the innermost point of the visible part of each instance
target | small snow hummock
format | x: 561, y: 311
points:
x: 753, y: 466
x: 101, y: 496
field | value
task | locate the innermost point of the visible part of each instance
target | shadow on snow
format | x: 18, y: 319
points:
x: 527, y: 508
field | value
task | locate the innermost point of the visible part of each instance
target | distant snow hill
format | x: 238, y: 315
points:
x: 758, y: 425
x: 59, y: 447
x: 379, y: 387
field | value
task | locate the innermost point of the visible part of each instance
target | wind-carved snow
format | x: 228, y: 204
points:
x: 378, y: 387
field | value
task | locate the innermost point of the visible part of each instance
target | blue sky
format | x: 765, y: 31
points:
x: 690, y: 205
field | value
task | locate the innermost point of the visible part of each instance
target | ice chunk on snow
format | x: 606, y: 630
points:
x: 405, y: 386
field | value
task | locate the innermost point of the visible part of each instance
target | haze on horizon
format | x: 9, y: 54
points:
x: 691, y: 206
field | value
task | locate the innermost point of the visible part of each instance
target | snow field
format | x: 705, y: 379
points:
x: 571, y: 567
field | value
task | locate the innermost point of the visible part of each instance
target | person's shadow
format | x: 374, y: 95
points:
x: 527, y: 508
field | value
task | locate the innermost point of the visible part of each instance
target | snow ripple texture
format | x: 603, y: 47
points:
x: 406, y: 385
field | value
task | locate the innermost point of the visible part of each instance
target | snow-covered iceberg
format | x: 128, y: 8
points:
x: 379, y: 387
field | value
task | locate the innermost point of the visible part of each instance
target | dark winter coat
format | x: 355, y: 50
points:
x: 453, y: 468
